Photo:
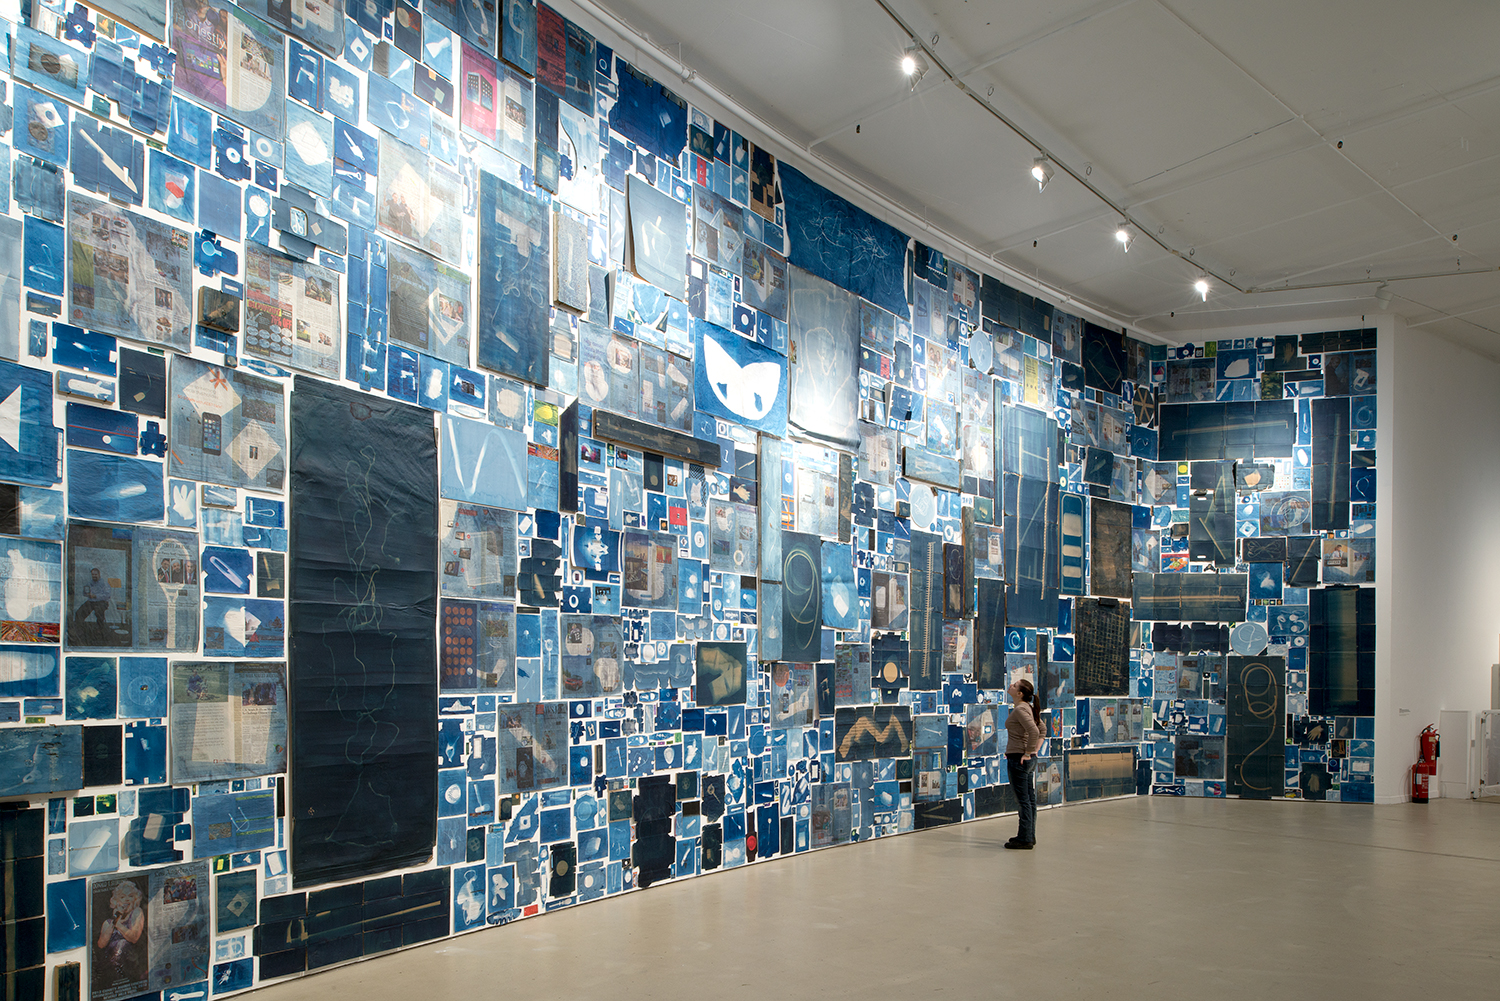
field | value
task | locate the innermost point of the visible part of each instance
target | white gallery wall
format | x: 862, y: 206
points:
x: 1439, y: 569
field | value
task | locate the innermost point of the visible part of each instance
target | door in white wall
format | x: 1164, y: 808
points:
x: 1489, y: 752
x: 1457, y: 754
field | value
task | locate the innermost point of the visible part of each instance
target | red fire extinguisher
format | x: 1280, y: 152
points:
x: 1426, y: 767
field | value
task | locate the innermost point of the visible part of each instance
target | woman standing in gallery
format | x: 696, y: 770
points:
x: 1023, y: 739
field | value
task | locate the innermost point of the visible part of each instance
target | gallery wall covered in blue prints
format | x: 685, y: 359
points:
x: 445, y: 476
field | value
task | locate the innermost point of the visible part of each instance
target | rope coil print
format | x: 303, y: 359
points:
x: 1257, y: 706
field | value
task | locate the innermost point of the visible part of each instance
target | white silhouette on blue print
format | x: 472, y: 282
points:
x: 1265, y: 580
x: 44, y: 256
x: 468, y: 897
x: 304, y: 84
x: 243, y: 627
x: 659, y: 226
x: 519, y: 40
x: 127, y: 181
x: 39, y: 759
x: 41, y: 126
x: 513, y: 294
x: 257, y: 216
x: 750, y: 390
x: 823, y: 397
x: 437, y: 46
x: 233, y: 976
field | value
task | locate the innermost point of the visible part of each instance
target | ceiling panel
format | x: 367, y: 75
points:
x: 973, y: 34
x: 1158, y: 285
x: 1286, y: 139
x: 1458, y: 199
x: 1440, y: 139
x: 1271, y: 192
x: 1100, y: 273
x: 1480, y: 239
x: 1475, y: 333
x: 1322, y: 240
x: 1430, y: 256
x: 1137, y: 92
x: 1453, y: 295
x: 1344, y: 62
x: 1088, y: 251
x: 953, y: 161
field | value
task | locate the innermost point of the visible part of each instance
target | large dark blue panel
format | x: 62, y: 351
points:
x: 1341, y: 654
x: 363, y: 612
x: 842, y: 243
x: 1330, y: 465
x: 926, y: 611
x: 648, y: 114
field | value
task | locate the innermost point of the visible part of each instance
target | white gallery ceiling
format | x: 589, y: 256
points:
x: 1294, y: 153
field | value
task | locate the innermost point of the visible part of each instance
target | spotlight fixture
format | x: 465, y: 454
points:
x: 1384, y: 294
x: 1201, y: 287
x: 913, y: 64
x: 1041, y: 169
x: 1124, y: 236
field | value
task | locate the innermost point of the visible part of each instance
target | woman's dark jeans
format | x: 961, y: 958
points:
x: 1021, y: 785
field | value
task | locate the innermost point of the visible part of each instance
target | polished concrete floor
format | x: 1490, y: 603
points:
x: 1132, y: 898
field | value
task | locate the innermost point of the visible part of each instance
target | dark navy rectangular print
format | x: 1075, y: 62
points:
x: 363, y: 613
